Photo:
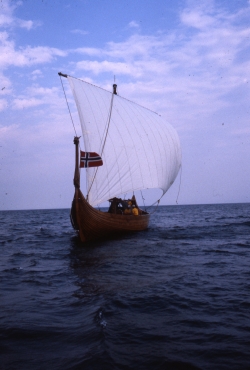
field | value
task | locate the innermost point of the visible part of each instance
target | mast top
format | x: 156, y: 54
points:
x: 114, y: 89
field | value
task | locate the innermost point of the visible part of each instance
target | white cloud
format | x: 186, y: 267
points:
x: 135, y: 69
x: 80, y: 32
x: 5, y: 84
x: 25, y: 24
x: 10, y: 54
x: 137, y: 46
x: 195, y: 67
x: 3, y: 104
x: 197, y: 18
x: 36, y: 74
x: 6, y: 130
x: 135, y: 57
x: 6, y: 14
x: 133, y: 24
x: 88, y: 51
x: 36, y: 96
x: 7, y: 19
x: 26, y: 103
x: 25, y: 56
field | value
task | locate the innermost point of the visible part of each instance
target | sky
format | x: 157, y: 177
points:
x: 188, y: 60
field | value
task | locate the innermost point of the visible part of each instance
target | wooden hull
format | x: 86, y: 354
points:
x: 92, y: 224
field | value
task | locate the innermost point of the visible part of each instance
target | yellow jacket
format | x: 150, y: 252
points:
x: 135, y: 211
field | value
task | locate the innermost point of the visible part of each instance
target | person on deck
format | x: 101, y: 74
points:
x: 127, y: 211
x: 135, y: 211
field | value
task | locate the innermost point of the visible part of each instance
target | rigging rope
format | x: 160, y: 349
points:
x: 68, y: 105
x: 70, y: 114
x: 158, y: 202
x: 108, y: 123
x: 143, y: 201
x: 179, y: 187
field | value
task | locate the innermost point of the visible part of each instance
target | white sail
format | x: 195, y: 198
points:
x: 139, y: 149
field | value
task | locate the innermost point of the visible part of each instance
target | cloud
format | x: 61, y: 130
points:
x: 3, y: 104
x: 133, y: 24
x: 6, y: 14
x: 25, y: 24
x: 26, y: 103
x: 7, y: 19
x: 80, y: 32
x: 10, y: 54
x: 25, y: 56
x: 36, y: 74
x: 135, y: 69
x: 5, y: 83
x: 197, y: 18
x: 135, y: 57
x: 196, y: 66
x: 88, y: 51
x: 36, y: 96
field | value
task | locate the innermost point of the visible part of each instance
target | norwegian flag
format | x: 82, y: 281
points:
x: 90, y: 159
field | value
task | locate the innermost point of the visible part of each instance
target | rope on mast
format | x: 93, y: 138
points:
x: 109, y: 118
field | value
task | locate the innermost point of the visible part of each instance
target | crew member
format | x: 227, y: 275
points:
x: 135, y: 211
x: 127, y: 211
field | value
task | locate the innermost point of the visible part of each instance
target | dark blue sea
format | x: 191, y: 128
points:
x: 176, y: 296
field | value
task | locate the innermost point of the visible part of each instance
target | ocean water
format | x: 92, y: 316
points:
x: 176, y: 296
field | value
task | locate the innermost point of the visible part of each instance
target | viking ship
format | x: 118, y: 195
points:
x: 126, y: 148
